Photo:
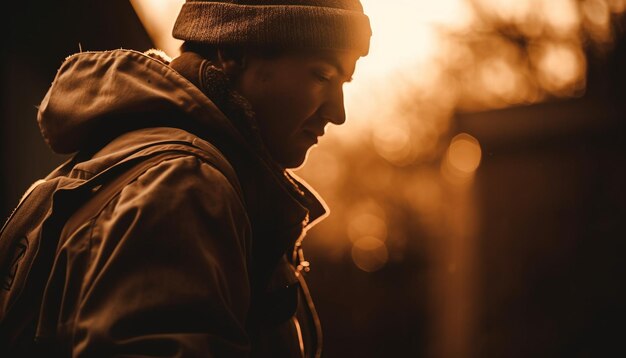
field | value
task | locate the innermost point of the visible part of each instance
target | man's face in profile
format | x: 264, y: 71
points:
x: 294, y: 96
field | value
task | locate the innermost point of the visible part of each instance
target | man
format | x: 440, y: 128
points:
x: 200, y: 254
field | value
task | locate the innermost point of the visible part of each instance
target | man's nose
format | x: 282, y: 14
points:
x: 334, y: 109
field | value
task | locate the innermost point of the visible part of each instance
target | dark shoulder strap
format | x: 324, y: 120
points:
x: 108, y: 184
x: 61, y: 170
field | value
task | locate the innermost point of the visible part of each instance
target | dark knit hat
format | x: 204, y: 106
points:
x: 323, y: 24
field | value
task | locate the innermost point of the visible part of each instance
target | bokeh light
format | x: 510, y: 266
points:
x: 424, y: 193
x: 393, y: 143
x: 499, y: 77
x: 561, y: 15
x: 560, y: 66
x: 367, y: 224
x: 462, y: 157
x: 370, y: 254
x: 464, y: 153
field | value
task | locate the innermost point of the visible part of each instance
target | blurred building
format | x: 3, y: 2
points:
x: 549, y: 266
x: 526, y: 258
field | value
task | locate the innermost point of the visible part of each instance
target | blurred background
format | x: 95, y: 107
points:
x: 477, y: 189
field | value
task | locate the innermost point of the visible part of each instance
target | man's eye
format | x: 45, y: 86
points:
x: 321, y: 77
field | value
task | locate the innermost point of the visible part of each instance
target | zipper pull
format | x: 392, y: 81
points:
x: 303, y: 265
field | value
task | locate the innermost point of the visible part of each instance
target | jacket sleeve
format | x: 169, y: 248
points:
x: 168, y: 271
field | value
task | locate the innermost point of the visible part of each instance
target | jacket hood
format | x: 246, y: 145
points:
x: 114, y: 85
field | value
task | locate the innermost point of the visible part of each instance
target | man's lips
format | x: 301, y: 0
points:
x: 314, y: 132
x: 311, y: 135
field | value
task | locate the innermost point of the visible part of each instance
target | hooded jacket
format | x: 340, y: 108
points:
x: 186, y: 260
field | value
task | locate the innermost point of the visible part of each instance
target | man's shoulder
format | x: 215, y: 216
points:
x: 182, y: 167
x: 186, y: 186
x: 188, y: 159
x: 182, y: 180
x: 159, y: 138
x: 149, y: 142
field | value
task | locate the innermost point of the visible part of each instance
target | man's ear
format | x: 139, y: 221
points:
x: 233, y: 63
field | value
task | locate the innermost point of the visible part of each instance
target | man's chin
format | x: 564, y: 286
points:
x: 295, y: 161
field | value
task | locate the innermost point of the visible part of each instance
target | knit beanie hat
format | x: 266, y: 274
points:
x: 316, y: 24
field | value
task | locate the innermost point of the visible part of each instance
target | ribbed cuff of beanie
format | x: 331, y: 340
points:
x: 287, y: 26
